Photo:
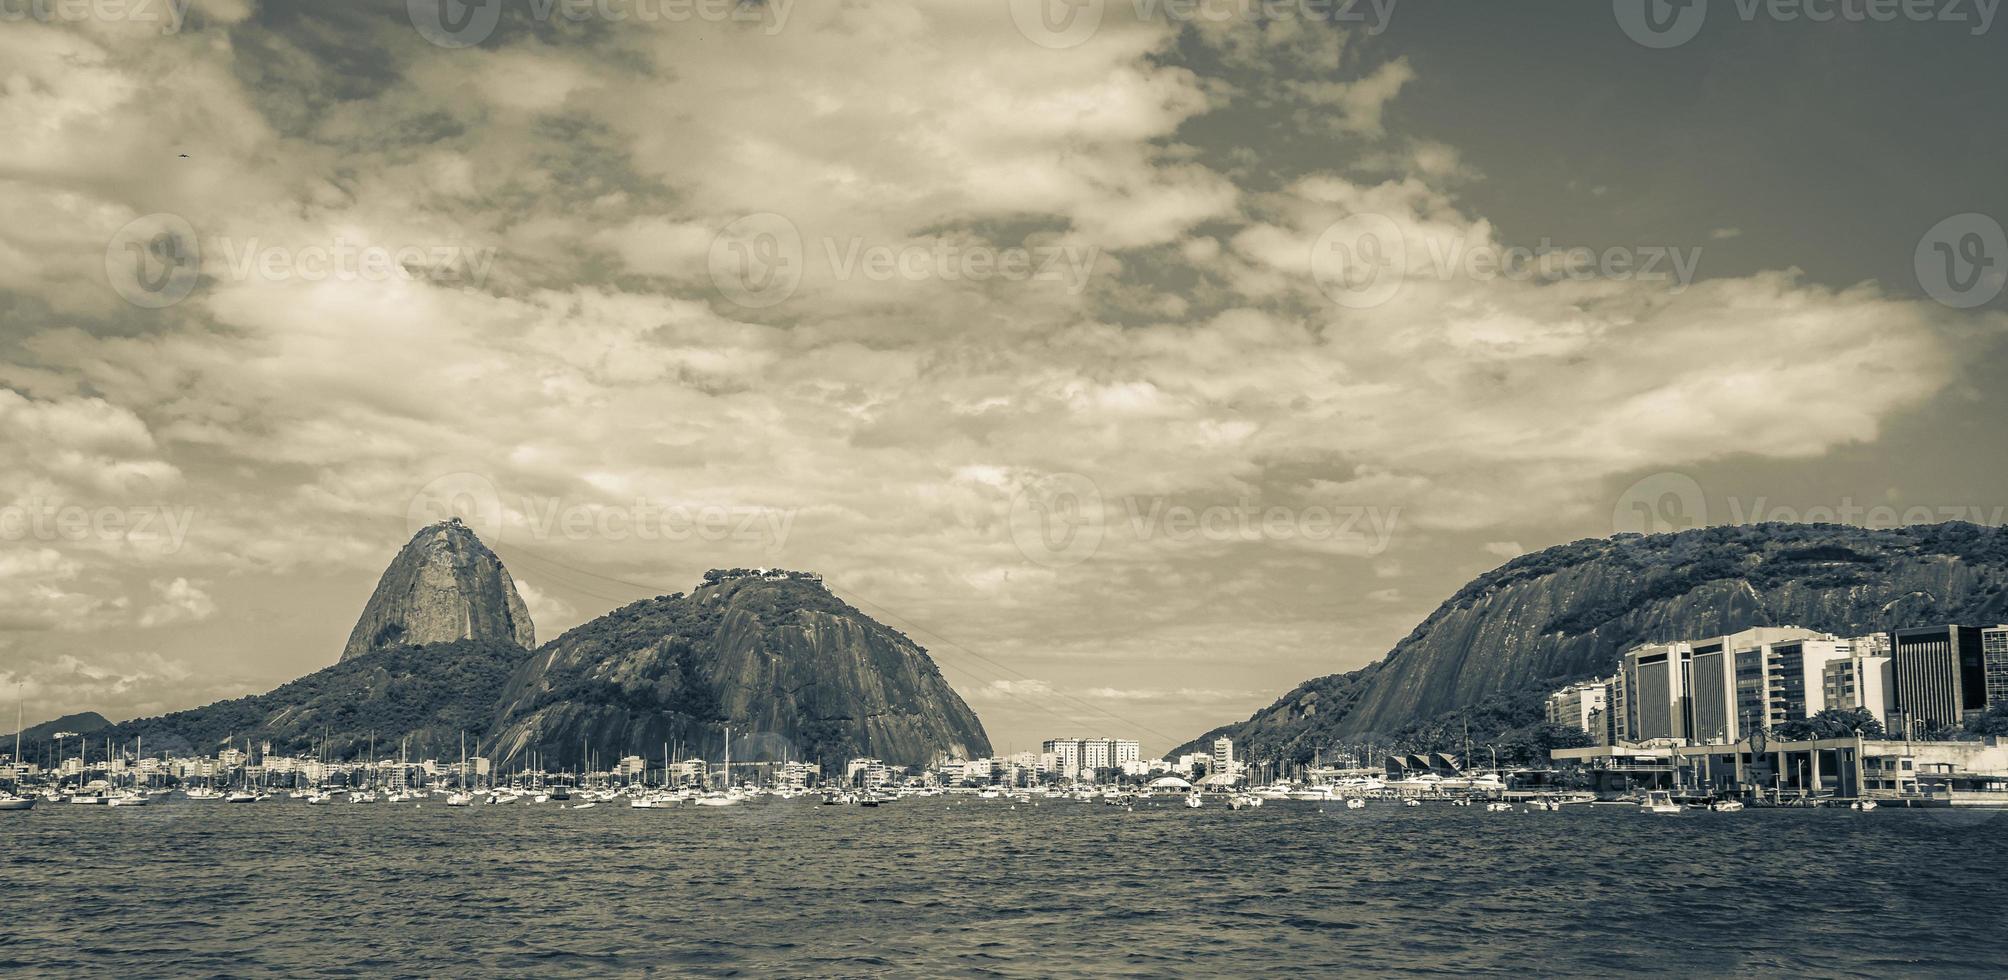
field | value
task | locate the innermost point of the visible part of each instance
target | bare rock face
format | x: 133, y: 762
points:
x: 792, y: 670
x: 445, y: 585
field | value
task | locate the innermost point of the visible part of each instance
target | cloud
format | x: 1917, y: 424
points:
x: 1504, y: 549
x: 178, y: 601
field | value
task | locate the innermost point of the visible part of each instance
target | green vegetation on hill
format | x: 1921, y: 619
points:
x: 429, y: 694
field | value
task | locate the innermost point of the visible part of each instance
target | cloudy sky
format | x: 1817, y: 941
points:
x: 1138, y: 365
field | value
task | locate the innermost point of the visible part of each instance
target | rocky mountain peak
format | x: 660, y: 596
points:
x: 444, y: 585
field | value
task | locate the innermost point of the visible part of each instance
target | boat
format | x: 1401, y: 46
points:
x: 1355, y: 803
x: 241, y: 796
x: 8, y: 799
x: 202, y: 794
x: 1193, y: 800
x: 584, y: 806
x: 128, y: 798
x: 1498, y: 806
x: 1863, y: 805
x: 1659, y: 801
x: 1411, y: 801
x: 1726, y: 806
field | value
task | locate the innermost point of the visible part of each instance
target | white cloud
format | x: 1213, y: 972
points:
x: 177, y: 601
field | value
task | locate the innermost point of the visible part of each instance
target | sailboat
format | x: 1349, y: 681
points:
x: 9, y: 800
x: 130, y: 796
x: 244, y: 795
x: 728, y: 796
x: 462, y: 798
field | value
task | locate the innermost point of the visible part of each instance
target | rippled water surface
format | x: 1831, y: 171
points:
x: 940, y: 887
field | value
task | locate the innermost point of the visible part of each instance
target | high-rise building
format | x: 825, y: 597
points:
x: 1940, y: 674
x: 1860, y: 680
x: 1223, y: 756
x: 1586, y: 705
x: 1656, y: 684
x: 1994, y: 655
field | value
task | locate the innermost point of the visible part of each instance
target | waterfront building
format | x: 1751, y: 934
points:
x: 1940, y: 675
x: 1860, y: 680
x: 1223, y: 755
x: 1655, y: 677
x: 1585, y: 705
x: 1074, y: 757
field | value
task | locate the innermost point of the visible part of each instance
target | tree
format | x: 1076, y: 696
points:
x: 1993, y: 722
x: 1831, y: 723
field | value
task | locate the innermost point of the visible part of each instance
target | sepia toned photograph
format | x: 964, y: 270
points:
x: 1003, y: 488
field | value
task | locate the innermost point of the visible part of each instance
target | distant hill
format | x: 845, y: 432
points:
x: 428, y: 694
x: 1489, y: 654
x: 790, y: 667
x: 83, y: 724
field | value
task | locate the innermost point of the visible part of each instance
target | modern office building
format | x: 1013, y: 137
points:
x: 1940, y: 675
x: 1994, y: 655
x: 1655, y: 676
x: 1719, y: 689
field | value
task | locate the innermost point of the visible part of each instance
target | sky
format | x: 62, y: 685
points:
x: 1139, y: 359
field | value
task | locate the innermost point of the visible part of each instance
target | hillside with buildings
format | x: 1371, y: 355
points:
x: 1487, y: 658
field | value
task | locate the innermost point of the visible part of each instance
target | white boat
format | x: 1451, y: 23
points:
x: 9, y: 801
x: 1411, y: 801
x: 1498, y: 807
x: 1726, y: 806
x: 1659, y: 801
x: 1355, y: 803
x: 241, y: 796
x: 1193, y: 800
x: 90, y: 799
x: 1864, y: 805
x: 460, y: 799
x: 584, y: 806
x: 126, y: 799
x: 202, y: 794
